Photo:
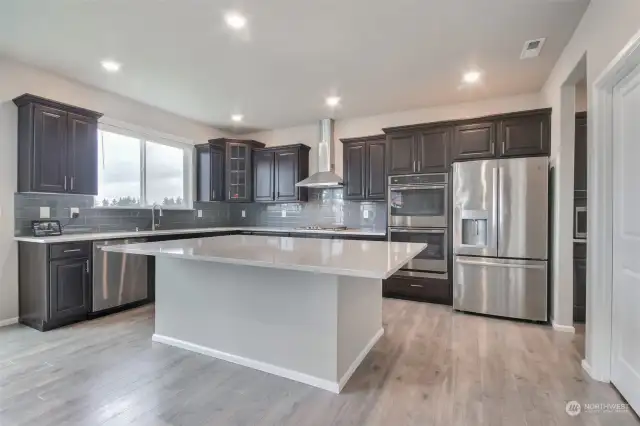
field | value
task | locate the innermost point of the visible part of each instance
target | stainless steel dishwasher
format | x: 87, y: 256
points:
x: 118, y: 278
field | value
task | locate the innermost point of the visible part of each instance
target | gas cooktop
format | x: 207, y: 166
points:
x: 322, y: 228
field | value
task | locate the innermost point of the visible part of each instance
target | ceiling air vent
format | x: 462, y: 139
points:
x: 532, y: 48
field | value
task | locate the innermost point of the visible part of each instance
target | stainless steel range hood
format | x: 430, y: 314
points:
x: 326, y: 176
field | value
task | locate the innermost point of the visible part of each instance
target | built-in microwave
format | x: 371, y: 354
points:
x: 418, y: 200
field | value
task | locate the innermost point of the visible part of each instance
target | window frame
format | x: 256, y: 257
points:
x: 144, y: 136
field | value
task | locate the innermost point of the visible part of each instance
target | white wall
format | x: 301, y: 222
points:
x: 373, y: 125
x: 605, y: 29
x: 16, y: 79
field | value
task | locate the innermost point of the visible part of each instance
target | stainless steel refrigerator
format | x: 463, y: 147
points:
x: 500, y: 233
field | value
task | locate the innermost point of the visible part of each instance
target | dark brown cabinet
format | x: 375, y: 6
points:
x: 525, y: 135
x: 57, y: 147
x: 209, y: 173
x: 418, y: 149
x: 54, y: 283
x: 82, y: 154
x: 474, y: 141
x: 364, y: 168
x: 263, y: 167
x: 233, y: 179
x: 580, y: 168
x: 433, y: 149
x: 68, y: 289
x: 276, y: 172
x: 402, y: 154
x: 291, y: 166
x: 521, y: 134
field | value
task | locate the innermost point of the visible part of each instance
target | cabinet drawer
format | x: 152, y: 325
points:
x: 59, y: 251
x: 423, y: 289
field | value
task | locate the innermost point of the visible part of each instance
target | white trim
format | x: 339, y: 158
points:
x: 251, y: 363
x: 356, y: 362
x: 563, y: 328
x: 9, y: 321
x: 134, y: 130
x: 600, y: 206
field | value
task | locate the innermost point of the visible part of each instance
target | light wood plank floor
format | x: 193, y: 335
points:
x: 432, y: 367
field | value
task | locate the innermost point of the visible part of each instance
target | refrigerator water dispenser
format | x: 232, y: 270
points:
x: 475, y: 229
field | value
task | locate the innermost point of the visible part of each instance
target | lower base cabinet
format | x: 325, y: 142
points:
x: 54, y: 284
x: 420, y: 289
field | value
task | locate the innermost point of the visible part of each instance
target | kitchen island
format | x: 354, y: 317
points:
x: 306, y: 309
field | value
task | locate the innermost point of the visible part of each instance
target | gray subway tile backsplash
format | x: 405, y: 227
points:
x: 326, y: 207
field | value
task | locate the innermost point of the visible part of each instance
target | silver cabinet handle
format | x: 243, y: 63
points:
x: 72, y: 182
x: 498, y: 265
x: 72, y: 251
x: 414, y: 165
x: 86, y: 265
x: 416, y: 285
x: 503, y: 146
x: 65, y: 183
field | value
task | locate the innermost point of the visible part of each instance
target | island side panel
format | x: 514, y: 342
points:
x: 280, y: 321
x: 359, y: 322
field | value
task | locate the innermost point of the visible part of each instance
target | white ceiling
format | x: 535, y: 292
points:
x: 378, y: 55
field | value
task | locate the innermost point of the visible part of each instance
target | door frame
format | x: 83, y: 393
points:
x: 599, y: 307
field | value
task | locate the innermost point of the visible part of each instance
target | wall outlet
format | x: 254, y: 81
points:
x: 365, y: 214
x: 45, y: 212
x: 284, y: 213
x: 244, y: 213
x: 199, y: 213
x: 74, y: 212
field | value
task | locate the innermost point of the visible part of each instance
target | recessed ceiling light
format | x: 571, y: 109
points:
x: 237, y: 117
x: 235, y: 20
x: 332, y: 101
x: 111, y: 66
x: 471, y: 77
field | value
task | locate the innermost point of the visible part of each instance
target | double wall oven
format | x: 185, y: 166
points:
x: 418, y: 211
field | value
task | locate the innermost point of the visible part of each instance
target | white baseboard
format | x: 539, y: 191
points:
x: 356, y: 362
x: 563, y: 328
x: 252, y: 363
x: 9, y: 321
x: 587, y: 367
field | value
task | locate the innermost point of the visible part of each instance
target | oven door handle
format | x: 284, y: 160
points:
x: 418, y: 231
x: 406, y: 188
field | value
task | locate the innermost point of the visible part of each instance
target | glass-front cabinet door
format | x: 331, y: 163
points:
x: 238, y: 172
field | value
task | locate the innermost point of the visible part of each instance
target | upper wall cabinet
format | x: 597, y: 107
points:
x: 418, y: 149
x: 474, y: 141
x: 57, y: 147
x: 525, y: 135
x: 519, y: 134
x: 210, y: 172
x: 238, y: 168
x: 364, y: 168
x: 276, y: 172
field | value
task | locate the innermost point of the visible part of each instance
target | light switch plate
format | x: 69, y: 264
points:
x: 284, y: 213
x: 365, y: 214
x: 45, y: 212
x: 244, y: 213
x: 73, y: 210
x: 199, y: 213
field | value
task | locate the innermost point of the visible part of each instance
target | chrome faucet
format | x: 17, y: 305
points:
x: 153, y: 216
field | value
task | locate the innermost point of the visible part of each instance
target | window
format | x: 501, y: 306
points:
x: 138, y: 171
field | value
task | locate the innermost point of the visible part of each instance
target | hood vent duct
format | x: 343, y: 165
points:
x: 326, y: 176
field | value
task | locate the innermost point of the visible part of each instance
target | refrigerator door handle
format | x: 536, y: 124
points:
x: 500, y: 265
x: 494, y: 208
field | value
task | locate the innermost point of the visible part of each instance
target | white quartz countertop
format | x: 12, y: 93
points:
x: 133, y: 234
x: 367, y: 259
